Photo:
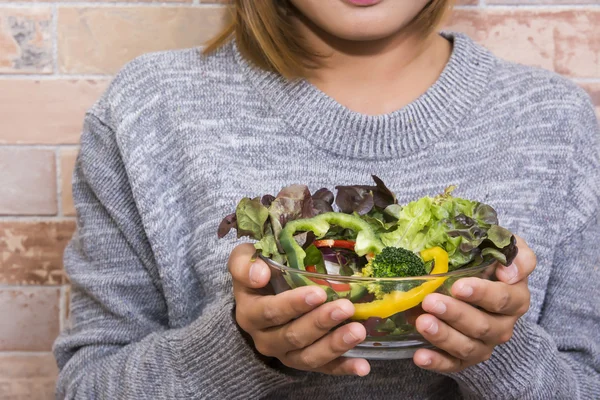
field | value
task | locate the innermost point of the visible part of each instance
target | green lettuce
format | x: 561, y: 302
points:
x: 467, y: 230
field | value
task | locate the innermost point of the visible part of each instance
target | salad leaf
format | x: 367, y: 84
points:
x: 292, y: 202
x: 411, y: 220
x: 325, y: 195
x: 464, y: 228
x: 393, y: 211
x: 485, y: 214
x: 505, y: 255
x: 322, y: 201
x: 267, y: 199
x: 377, y: 222
x: 352, y: 199
x: 251, y: 216
x: 228, y: 223
x: 499, y: 236
x: 267, y: 245
x: 382, y: 196
x: 362, y: 198
x: 348, y: 260
x: 305, y: 239
x: 314, y: 257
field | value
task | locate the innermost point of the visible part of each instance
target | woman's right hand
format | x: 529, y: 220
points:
x: 294, y: 326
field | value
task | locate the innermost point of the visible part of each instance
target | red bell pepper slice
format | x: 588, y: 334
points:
x: 338, y: 243
x: 338, y: 287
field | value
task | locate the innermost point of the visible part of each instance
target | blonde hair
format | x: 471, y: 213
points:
x: 265, y: 36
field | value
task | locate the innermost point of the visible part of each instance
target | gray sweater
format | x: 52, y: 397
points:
x: 179, y: 138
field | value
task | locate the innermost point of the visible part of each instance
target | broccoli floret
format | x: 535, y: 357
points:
x: 396, y: 262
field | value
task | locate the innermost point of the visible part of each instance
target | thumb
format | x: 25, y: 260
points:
x: 246, y: 269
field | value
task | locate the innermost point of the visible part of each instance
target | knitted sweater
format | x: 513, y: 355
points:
x: 179, y: 138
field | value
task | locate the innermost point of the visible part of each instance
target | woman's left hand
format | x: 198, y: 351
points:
x: 465, y: 335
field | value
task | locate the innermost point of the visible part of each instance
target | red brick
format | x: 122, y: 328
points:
x: 25, y: 40
x: 30, y: 377
x: 563, y: 41
x: 542, y: 2
x: 47, y: 111
x: 31, y: 252
x: 29, y: 318
x: 27, y: 182
x: 101, y: 40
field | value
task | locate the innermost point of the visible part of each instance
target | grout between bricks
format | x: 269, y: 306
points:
x: 24, y: 353
x: 35, y: 218
x: 34, y: 146
x: 55, y: 77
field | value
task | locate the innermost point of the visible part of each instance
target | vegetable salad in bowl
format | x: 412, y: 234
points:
x: 384, y: 257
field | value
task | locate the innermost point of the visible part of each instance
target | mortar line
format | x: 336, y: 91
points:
x: 24, y: 353
x: 55, y: 77
x: 35, y: 218
x: 35, y: 146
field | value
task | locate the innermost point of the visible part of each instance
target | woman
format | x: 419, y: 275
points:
x: 323, y: 92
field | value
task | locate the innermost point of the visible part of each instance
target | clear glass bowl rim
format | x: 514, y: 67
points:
x: 342, y: 278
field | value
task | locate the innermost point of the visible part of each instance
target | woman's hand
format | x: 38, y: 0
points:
x: 294, y: 326
x: 466, y: 335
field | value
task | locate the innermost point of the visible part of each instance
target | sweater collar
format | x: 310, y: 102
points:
x: 326, y: 123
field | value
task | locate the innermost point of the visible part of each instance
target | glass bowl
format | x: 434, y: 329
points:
x: 390, y: 322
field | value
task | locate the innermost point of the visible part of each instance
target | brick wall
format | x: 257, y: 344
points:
x: 55, y: 60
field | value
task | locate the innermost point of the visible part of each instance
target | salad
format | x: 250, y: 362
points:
x: 363, y: 232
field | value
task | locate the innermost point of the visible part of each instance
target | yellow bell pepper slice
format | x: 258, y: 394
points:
x: 397, y: 301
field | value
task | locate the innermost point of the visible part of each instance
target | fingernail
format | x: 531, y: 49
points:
x: 362, y: 369
x: 313, y: 298
x: 465, y: 291
x: 426, y: 362
x: 438, y: 308
x: 256, y: 272
x: 433, y: 328
x: 339, y: 315
x: 511, y: 272
x: 349, y: 338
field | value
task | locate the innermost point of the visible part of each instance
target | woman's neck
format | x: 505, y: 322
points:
x: 375, y: 77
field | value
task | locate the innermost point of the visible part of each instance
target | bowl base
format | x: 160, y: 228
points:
x: 387, y: 350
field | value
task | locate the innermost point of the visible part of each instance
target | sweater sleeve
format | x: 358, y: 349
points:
x: 558, y: 356
x: 119, y: 344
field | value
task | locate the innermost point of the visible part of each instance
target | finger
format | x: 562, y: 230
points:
x: 470, y: 321
x: 448, y: 339
x: 312, y: 326
x: 437, y: 361
x: 261, y: 312
x: 346, y: 366
x: 494, y: 297
x: 522, y: 266
x: 247, y: 273
x: 328, y: 348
